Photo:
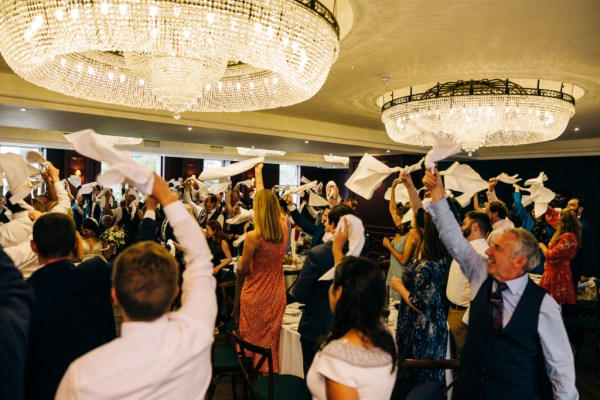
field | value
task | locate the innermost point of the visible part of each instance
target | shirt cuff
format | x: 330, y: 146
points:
x: 150, y: 214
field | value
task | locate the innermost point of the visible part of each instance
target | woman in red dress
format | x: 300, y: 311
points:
x: 557, y: 279
x: 263, y: 298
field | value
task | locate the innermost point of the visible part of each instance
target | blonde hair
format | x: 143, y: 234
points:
x: 266, y: 216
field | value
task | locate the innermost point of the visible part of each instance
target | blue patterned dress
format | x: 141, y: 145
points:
x: 423, y: 336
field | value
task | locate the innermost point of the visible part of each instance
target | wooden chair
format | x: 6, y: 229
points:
x: 272, y: 386
x: 224, y: 363
x: 589, y: 306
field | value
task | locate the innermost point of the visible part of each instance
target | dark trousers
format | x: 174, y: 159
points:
x: 309, y: 349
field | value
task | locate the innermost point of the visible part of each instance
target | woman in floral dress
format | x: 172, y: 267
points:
x: 263, y: 296
x: 422, y: 332
x: 557, y: 279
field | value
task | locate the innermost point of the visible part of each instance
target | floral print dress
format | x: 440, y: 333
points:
x: 424, y: 335
x: 557, y: 278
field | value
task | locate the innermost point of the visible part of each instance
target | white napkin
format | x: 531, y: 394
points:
x: 172, y: 248
x: 329, y: 190
x: 369, y: 174
x: 441, y: 150
x: 463, y: 178
x: 248, y: 183
x: 314, y: 200
x: 219, y: 187
x: 74, y: 180
x: 412, y: 168
x: 122, y: 167
x: 541, y: 178
x: 230, y: 170
x: 356, y: 240
x: 303, y: 188
x: 17, y: 175
x: 243, y: 217
x: 34, y: 157
x: 237, y: 242
x: 541, y: 196
x: 401, y: 194
x: 87, y: 188
x: 504, y: 177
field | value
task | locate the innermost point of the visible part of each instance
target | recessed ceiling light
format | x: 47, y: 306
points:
x: 387, y: 151
x: 306, y: 141
x: 252, y: 146
x: 189, y: 128
x: 330, y: 154
x: 576, y: 129
x: 23, y: 109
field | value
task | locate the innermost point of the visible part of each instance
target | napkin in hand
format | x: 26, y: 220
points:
x: 356, y: 240
x: 441, y: 150
x: 17, y: 175
x: 230, y: 170
x: 369, y: 174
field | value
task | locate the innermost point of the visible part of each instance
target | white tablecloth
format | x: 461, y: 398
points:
x: 290, y: 351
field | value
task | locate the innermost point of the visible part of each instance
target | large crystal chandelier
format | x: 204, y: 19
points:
x: 479, y: 113
x: 178, y: 55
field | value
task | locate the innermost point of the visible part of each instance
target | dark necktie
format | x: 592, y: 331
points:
x: 497, y: 306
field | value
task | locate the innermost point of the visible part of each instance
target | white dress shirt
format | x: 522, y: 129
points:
x: 168, y: 358
x: 17, y: 230
x: 458, y: 290
x: 560, y: 365
x: 24, y: 258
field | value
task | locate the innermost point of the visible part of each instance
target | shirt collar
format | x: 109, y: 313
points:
x: 517, y: 285
x: 139, y: 328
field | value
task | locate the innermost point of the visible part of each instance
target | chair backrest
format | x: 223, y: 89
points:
x: 402, y: 381
x: 250, y: 369
x: 228, y: 290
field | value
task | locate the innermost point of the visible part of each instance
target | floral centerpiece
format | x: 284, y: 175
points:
x: 115, y: 235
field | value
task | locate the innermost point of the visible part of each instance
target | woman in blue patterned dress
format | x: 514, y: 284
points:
x: 422, y: 332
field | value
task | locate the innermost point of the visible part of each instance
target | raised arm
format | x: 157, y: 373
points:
x: 393, y: 206
x: 413, y: 195
x: 198, y: 298
x: 258, y: 177
x: 491, y: 193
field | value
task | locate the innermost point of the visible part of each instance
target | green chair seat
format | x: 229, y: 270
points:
x: 581, y: 323
x: 225, y: 359
x: 288, y: 387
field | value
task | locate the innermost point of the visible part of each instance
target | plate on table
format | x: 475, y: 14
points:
x: 292, y: 311
x: 289, y: 267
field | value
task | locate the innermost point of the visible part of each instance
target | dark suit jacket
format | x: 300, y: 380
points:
x: 316, y: 317
x: 73, y: 315
x: 16, y: 302
x: 147, y: 230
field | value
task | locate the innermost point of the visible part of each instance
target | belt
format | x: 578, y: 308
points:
x: 454, y: 306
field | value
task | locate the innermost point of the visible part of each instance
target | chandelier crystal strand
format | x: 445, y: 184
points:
x: 196, y: 55
x: 479, y: 116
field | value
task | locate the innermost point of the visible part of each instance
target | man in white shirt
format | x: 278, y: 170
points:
x: 516, y: 335
x: 160, y: 355
x: 475, y: 228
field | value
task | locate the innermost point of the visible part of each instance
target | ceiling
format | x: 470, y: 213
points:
x: 412, y: 41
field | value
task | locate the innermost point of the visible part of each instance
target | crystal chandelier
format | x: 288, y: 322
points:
x: 177, y: 55
x: 479, y: 113
x: 245, y: 151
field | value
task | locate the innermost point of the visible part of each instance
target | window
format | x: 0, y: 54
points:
x: 213, y: 164
x: 289, y: 174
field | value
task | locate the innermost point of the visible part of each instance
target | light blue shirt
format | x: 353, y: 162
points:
x: 551, y: 329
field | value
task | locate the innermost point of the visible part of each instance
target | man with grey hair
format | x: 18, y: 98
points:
x: 515, y: 328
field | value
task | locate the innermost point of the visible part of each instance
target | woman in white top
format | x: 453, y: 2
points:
x: 357, y: 360
x: 93, y: 245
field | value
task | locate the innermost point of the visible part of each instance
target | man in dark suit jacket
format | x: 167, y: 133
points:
x: 73, y: 311
x: 316, y: 317
x: 16, y: 302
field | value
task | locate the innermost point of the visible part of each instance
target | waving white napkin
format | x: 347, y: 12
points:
x: 301, y: 189
x: 505, y: 178
x: 541, y: 178
x: 412, y: 168
x: 369, y: 174
x: 441, y: 150
x: 230, y: 170
x: 541, y: 196
x: 248, y: 183
x: 243, y: 217
x: 34, y: 157
x: 237, y: 242
x: 356, y: 240
x: 122, y: 167
x: 463, y: 178
x: 17, y: 175
x: 314, y: 200
x: 87, y: 188
x: 219, y: 187
x: 74, y: 180
x: 401, y: 194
